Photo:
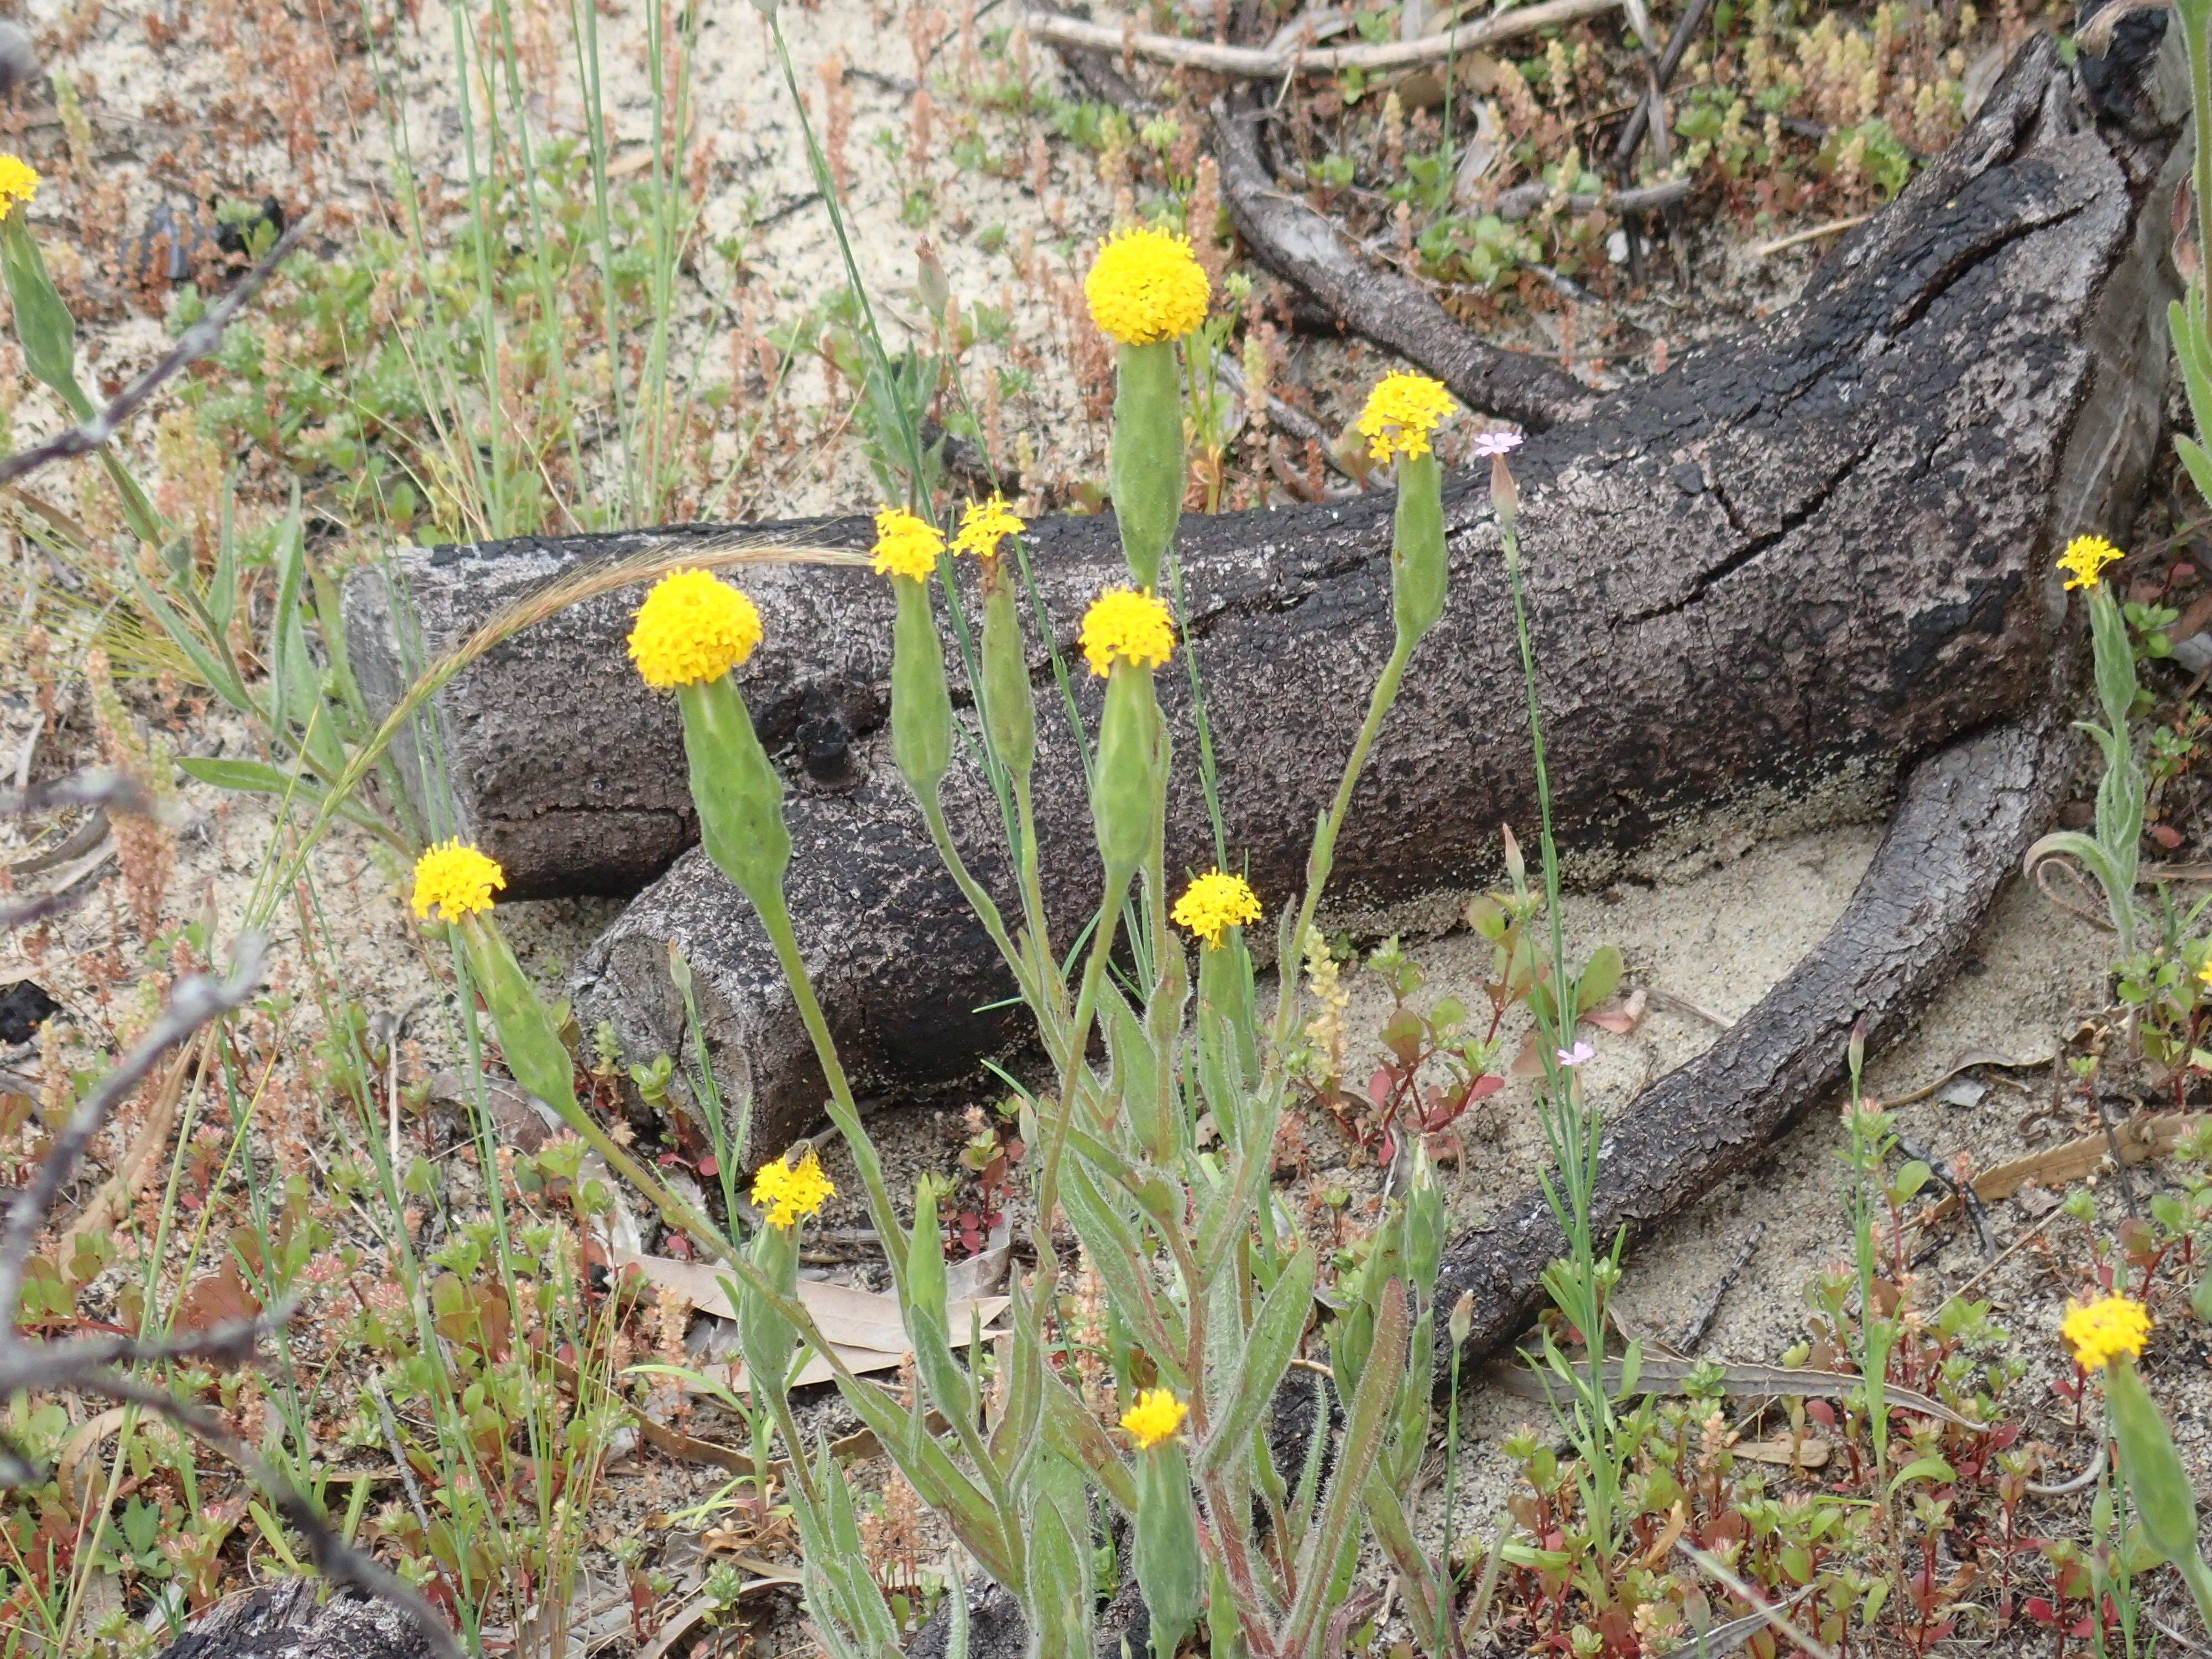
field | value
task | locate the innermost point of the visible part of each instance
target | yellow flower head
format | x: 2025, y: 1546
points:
x: 984, y: 524
x: 1144, y: 287
x: 692, y: 629
x: 2204, y: 973
x: 456, y: 879
x: 19, y: 182
x: 2085, y: 555
x: 905, y: 545
x: 790, y: 1192
x: 1213, y: 903
x: 2106, y: 1329
x: 1123, y: 623
x: 1401, y: 413
x: 1156, y: 1415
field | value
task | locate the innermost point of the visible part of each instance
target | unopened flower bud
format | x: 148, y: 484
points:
x: 1504, y: 497
x: 1462, y: 1318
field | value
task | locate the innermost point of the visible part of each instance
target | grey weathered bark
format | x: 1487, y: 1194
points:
x: 290, y: 1622
x: 1967, y: 817
x: 1760, y: 584
x: 1303, y: 248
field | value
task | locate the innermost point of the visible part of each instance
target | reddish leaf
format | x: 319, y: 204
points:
x: 216, y: 1298
x: 2167, y: 836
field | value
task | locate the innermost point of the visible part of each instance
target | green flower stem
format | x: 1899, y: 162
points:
x: 2195, y: 16
x: 1560, y: 1026
x: 541, y: 1063
x: 1010, y: 723
x: 1032, y: 889
x: 1868, y: 1146
x: 740, y: 795
x: 1444, y: 1580
x: 1573, y: 1130
x: 870, y: 337
x: 987, y: 911
x: 776, y: 916
x: 1073, y: 1070
x: 1322, y: 856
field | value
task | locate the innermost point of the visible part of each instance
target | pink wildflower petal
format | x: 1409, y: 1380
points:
x: 1498, y: 443
x: 1579, y: 1054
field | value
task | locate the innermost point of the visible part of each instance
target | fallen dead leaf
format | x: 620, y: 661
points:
x: 1678, y: 1518
x: 1622, y: 1019
x: 2142, y: 1137
x: 863, y: 1327
x: 1966, y: 1061
x: 1807, y: 1453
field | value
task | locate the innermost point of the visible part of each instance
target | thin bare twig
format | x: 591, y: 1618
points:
x: 1770, y: 1611
x: 1264, y: 63
x: 98, y: 788
x: 193, y: 1001
x: 1764, y: 249
x: 196, y: 343
x: 1670, y: 60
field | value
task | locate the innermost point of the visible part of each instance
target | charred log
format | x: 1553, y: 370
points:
x: 1764, y: 586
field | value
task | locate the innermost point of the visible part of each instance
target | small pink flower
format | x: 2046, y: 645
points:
x: 1498, y: 443
x: 1577, y: 1055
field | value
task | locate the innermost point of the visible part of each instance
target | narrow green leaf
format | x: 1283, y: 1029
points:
x: 1268, y: 1351
x: 1365, y: 1422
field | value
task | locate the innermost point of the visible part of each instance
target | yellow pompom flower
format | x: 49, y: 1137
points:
x: 19, y: 182
x: 1401, y: 413
x: 984, y: 524
x: 1125, y: 625
x: 457, y: 879
x: 2101, y: 1332
x: 692, y: 629
x: 905, y: 545
x: 1213, y: 903
x: 2084, y: 558
x: 788, y: 1194
x: 1156, y: 1415
x: 1145, y: 286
